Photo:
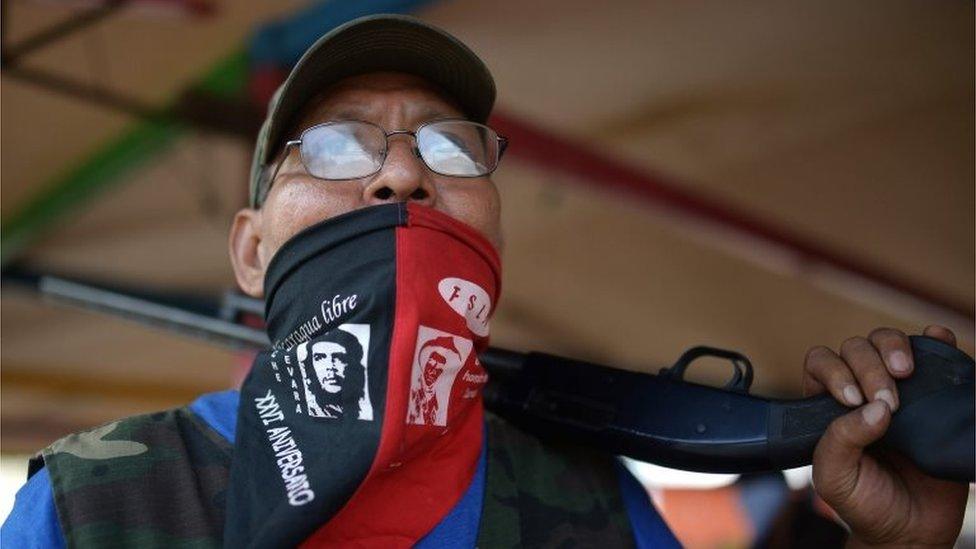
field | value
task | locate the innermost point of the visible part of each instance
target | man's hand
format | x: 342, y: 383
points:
x: 883, y: 498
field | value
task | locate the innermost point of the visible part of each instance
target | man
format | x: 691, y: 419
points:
x: 398, y: 74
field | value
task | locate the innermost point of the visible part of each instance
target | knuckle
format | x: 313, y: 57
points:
x: 816, y: 354
x: 809, y: 380
x: 853, y: 344
x: 877, y: 377
x: 864, y: 361
x: 835, y: 431
x: 886, y: 335
x: 811, y: 387
x: 841, y: 431
x: 839, y: 375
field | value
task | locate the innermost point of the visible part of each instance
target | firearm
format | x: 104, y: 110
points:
x: 665, y: 420
x: 660, y: 418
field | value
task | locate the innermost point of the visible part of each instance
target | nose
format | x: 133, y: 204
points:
x: 403, y: 177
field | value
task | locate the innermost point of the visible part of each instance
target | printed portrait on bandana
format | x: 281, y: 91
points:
x: 438, y: 358
x: 335, y: 373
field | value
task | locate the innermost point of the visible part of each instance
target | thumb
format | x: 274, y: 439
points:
x: 837, y: 458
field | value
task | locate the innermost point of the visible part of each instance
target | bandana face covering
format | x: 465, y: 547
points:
x: 363, y: 424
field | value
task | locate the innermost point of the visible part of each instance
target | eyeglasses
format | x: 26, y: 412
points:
x: 353, y: 149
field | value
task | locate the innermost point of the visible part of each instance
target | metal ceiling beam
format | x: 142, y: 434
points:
x: 201, y: 109
x: 11, y: 54
x: 95, y: 95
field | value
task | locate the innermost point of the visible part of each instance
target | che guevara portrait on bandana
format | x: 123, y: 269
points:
x: 335, y: 373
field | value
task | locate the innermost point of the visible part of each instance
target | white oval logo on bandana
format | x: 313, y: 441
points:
x: 468, y: 300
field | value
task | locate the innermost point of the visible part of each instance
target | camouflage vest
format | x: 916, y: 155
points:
x: 160, y: 480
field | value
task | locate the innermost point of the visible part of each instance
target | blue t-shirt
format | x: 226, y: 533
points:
x: 33, y: 522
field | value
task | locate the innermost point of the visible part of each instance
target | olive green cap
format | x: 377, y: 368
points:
x: 372, y: 44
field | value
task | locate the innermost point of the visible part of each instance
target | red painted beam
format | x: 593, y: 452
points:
x: 555, y: 153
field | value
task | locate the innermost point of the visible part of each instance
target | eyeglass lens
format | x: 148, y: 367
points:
x: 343, y: 150
x: 351, y: 149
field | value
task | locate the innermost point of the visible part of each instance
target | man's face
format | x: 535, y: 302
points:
x: 433, y: 368
x: 329, y: 361
x: 297, y: 200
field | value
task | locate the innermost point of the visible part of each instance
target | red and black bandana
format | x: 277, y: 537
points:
x: 363, y: 425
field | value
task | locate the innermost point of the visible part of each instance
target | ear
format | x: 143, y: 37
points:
x: 245, y: 238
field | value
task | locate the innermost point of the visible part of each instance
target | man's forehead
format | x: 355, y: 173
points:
x: 369, y: 96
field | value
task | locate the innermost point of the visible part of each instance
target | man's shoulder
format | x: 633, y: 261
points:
x: 114, y: 439
x: 122, y: 450
x: 210, y: 416
x: 160, y: 475
x: 138, y: 435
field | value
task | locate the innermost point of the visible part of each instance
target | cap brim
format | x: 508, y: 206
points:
x: 383, y: 43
